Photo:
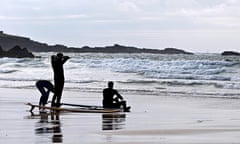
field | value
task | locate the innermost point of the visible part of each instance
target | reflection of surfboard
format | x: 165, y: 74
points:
x: 78, y: 110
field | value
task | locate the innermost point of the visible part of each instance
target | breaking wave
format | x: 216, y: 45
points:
x: 151, y: 72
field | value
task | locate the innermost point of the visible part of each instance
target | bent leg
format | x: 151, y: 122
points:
x: 124, y: 104
x: 44, y: 87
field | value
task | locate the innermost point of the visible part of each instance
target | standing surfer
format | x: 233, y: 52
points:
x: 57, y: 64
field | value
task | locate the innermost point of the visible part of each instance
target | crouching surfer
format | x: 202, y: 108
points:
x: 45, y: 87
x: 110, y: 101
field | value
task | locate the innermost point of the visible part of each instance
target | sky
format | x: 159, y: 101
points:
x: 205, y: 26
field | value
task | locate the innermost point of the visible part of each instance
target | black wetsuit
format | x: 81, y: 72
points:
x: 108, y: 98
x: 57, y: 65
x: 45, y: 87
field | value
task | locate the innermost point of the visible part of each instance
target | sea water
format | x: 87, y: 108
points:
x: 204, y: 75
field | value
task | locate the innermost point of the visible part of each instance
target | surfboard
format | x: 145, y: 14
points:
x: 83, y: 106
x: 76, y: 110
x: 96, y: 107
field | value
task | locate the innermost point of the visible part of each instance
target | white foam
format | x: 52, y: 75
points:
x: 94, y: 68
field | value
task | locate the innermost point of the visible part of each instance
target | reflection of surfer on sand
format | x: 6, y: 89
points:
x: 53, y: 126
x: 113, y: 121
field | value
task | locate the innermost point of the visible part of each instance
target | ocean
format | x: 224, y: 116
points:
x: 199, y: 75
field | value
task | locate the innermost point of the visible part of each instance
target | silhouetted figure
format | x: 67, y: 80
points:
x: 109, y: 101
x: 57, y: 65
x: 45, y: 87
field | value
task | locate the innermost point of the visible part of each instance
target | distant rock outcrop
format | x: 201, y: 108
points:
x: 16, y: 52
x: 8, y: 41
x: 127, y: 49
x: 174, y: 51
x: 230, y: 53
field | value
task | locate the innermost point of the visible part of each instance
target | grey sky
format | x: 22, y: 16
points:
x: 192, y: 25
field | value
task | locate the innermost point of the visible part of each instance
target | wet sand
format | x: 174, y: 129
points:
x: 154, y: 119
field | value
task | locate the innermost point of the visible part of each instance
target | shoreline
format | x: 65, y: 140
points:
x: 153, y: 119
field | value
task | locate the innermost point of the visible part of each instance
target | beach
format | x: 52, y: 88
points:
x: 153, y: 119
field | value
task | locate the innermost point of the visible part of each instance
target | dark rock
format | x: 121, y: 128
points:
x: 1, y: 50
x: 16, y: 52
x: 175, y: 51
x: 230, y: 53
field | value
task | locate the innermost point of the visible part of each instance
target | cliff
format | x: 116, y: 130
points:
x: 8, y: 41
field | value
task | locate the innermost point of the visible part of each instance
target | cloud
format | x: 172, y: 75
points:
x: 156, y: 23
x: 43, y: 18
x: 128, y: 7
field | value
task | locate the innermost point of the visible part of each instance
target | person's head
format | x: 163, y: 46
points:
x: 110, y: 84
x: 59, y: 54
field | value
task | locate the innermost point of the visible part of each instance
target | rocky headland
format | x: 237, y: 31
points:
x: 7, y: 42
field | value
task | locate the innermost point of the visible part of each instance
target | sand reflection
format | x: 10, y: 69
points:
x: 49, y: 127
x: 113, y: 121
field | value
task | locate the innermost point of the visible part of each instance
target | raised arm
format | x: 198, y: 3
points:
x: 65, y: 58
